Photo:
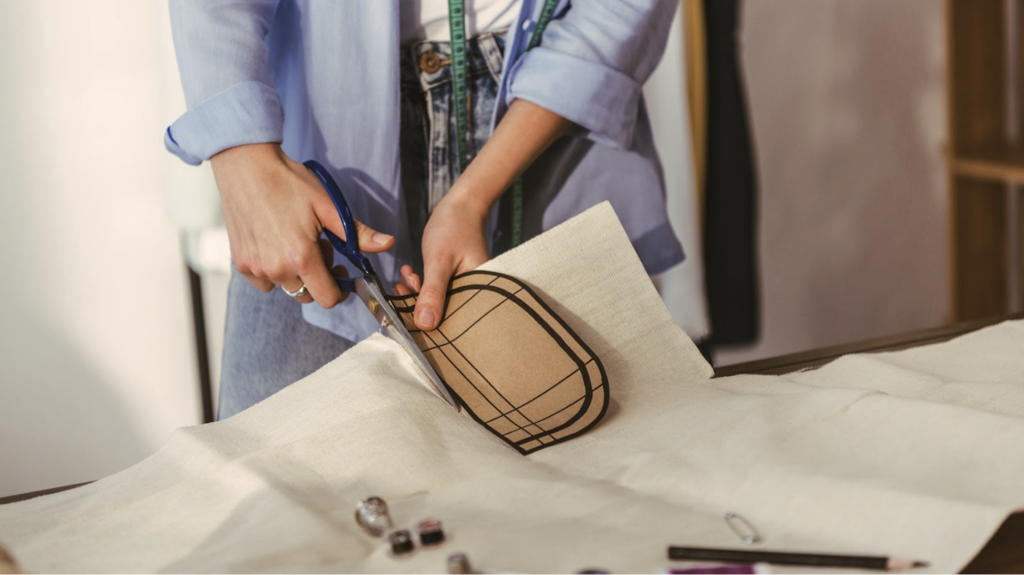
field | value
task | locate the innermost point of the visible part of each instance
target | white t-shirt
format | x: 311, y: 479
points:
x: 428, y: 19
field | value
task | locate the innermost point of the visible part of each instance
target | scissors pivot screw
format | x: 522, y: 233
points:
x: 373, y: 305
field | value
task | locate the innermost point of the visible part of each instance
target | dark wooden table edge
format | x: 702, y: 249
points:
x: 1004, y: 553
x: 40, y: 493
x: 817, y: 357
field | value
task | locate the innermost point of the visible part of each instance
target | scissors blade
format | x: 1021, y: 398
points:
x: 395, y: 330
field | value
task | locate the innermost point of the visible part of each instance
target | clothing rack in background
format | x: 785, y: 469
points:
x: 726, y: 173
x: 985, y: 156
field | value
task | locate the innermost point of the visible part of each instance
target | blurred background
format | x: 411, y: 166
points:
x: 830, y: 119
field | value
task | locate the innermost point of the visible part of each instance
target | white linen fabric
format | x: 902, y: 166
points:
x: 914, y: 454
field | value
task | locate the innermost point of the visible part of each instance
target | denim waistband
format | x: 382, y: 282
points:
x: 427, y: 63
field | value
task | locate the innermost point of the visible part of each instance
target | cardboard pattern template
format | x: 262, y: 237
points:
x: 511, y: 362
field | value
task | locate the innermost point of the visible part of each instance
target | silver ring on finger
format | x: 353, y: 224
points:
x: 297, y: 293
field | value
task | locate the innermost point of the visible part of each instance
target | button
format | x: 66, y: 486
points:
x: 401, y: 542
x: 431, y: 532
x: 430, y: 62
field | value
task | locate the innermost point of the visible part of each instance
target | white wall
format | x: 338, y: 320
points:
x: 96, y: 361
x: 847, y: 106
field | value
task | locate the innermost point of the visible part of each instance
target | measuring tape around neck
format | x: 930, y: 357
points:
x: 460, y: 97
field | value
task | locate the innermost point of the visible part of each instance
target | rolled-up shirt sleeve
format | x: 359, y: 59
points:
x: 592, y: 63
x: 226, y: 75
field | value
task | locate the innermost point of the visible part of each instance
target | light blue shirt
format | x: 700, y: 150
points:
x: 322, y: 78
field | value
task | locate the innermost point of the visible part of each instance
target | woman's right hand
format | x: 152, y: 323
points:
x: 275, y: 210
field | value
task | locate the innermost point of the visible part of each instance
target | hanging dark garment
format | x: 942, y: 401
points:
x: 730, y: 198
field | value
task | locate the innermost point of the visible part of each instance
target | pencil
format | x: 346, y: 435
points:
x: 787, y: 558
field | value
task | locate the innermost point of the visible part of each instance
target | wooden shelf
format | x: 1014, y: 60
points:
x: 1004, y: 164
x: 981, y: 161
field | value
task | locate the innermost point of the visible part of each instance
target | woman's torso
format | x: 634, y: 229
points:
x: 336, y: 68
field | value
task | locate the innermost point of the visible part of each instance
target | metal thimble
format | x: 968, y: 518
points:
x: 458, y: 564
x: 372, y: 516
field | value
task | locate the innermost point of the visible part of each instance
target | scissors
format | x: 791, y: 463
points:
x: 369, y: 287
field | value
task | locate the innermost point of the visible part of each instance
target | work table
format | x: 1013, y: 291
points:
x: 1003, y: 553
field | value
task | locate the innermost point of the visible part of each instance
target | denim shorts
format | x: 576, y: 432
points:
x: 267, y: 343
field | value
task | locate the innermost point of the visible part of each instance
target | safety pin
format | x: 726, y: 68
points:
x: 742, y: 528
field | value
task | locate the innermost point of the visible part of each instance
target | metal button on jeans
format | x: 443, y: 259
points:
x: 430, y: 62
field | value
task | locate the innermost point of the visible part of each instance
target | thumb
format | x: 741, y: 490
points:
x: 430, y: 302
x: 370, y: 240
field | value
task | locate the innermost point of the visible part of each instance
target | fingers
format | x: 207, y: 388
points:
x: 306, y: 266
x: 254, y: 275
x: 295, y: 285
x: 316, y: 273
x: 340, y: 271
x: 327, y: 252
x: 321, y: 284
x: 245, y: 266
x: 411, y: 279
x: 430, y: 302
x: 302, y: 263
x: 370, y: 240
x: 410, y: 283
x: 258, y: 282
x: 336, y: 271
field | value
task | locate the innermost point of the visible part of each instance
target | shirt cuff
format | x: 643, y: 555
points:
x: 246, y: 113
x: 598, y: 98
x: 659, y: 249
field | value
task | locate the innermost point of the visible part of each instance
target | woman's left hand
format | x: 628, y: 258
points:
x: 454, y: 242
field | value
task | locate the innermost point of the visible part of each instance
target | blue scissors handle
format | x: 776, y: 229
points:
x: 349, y: 247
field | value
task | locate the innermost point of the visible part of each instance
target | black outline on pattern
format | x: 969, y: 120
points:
x: 402, y: 304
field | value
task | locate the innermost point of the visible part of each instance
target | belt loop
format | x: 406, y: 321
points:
x: 492, y: 55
